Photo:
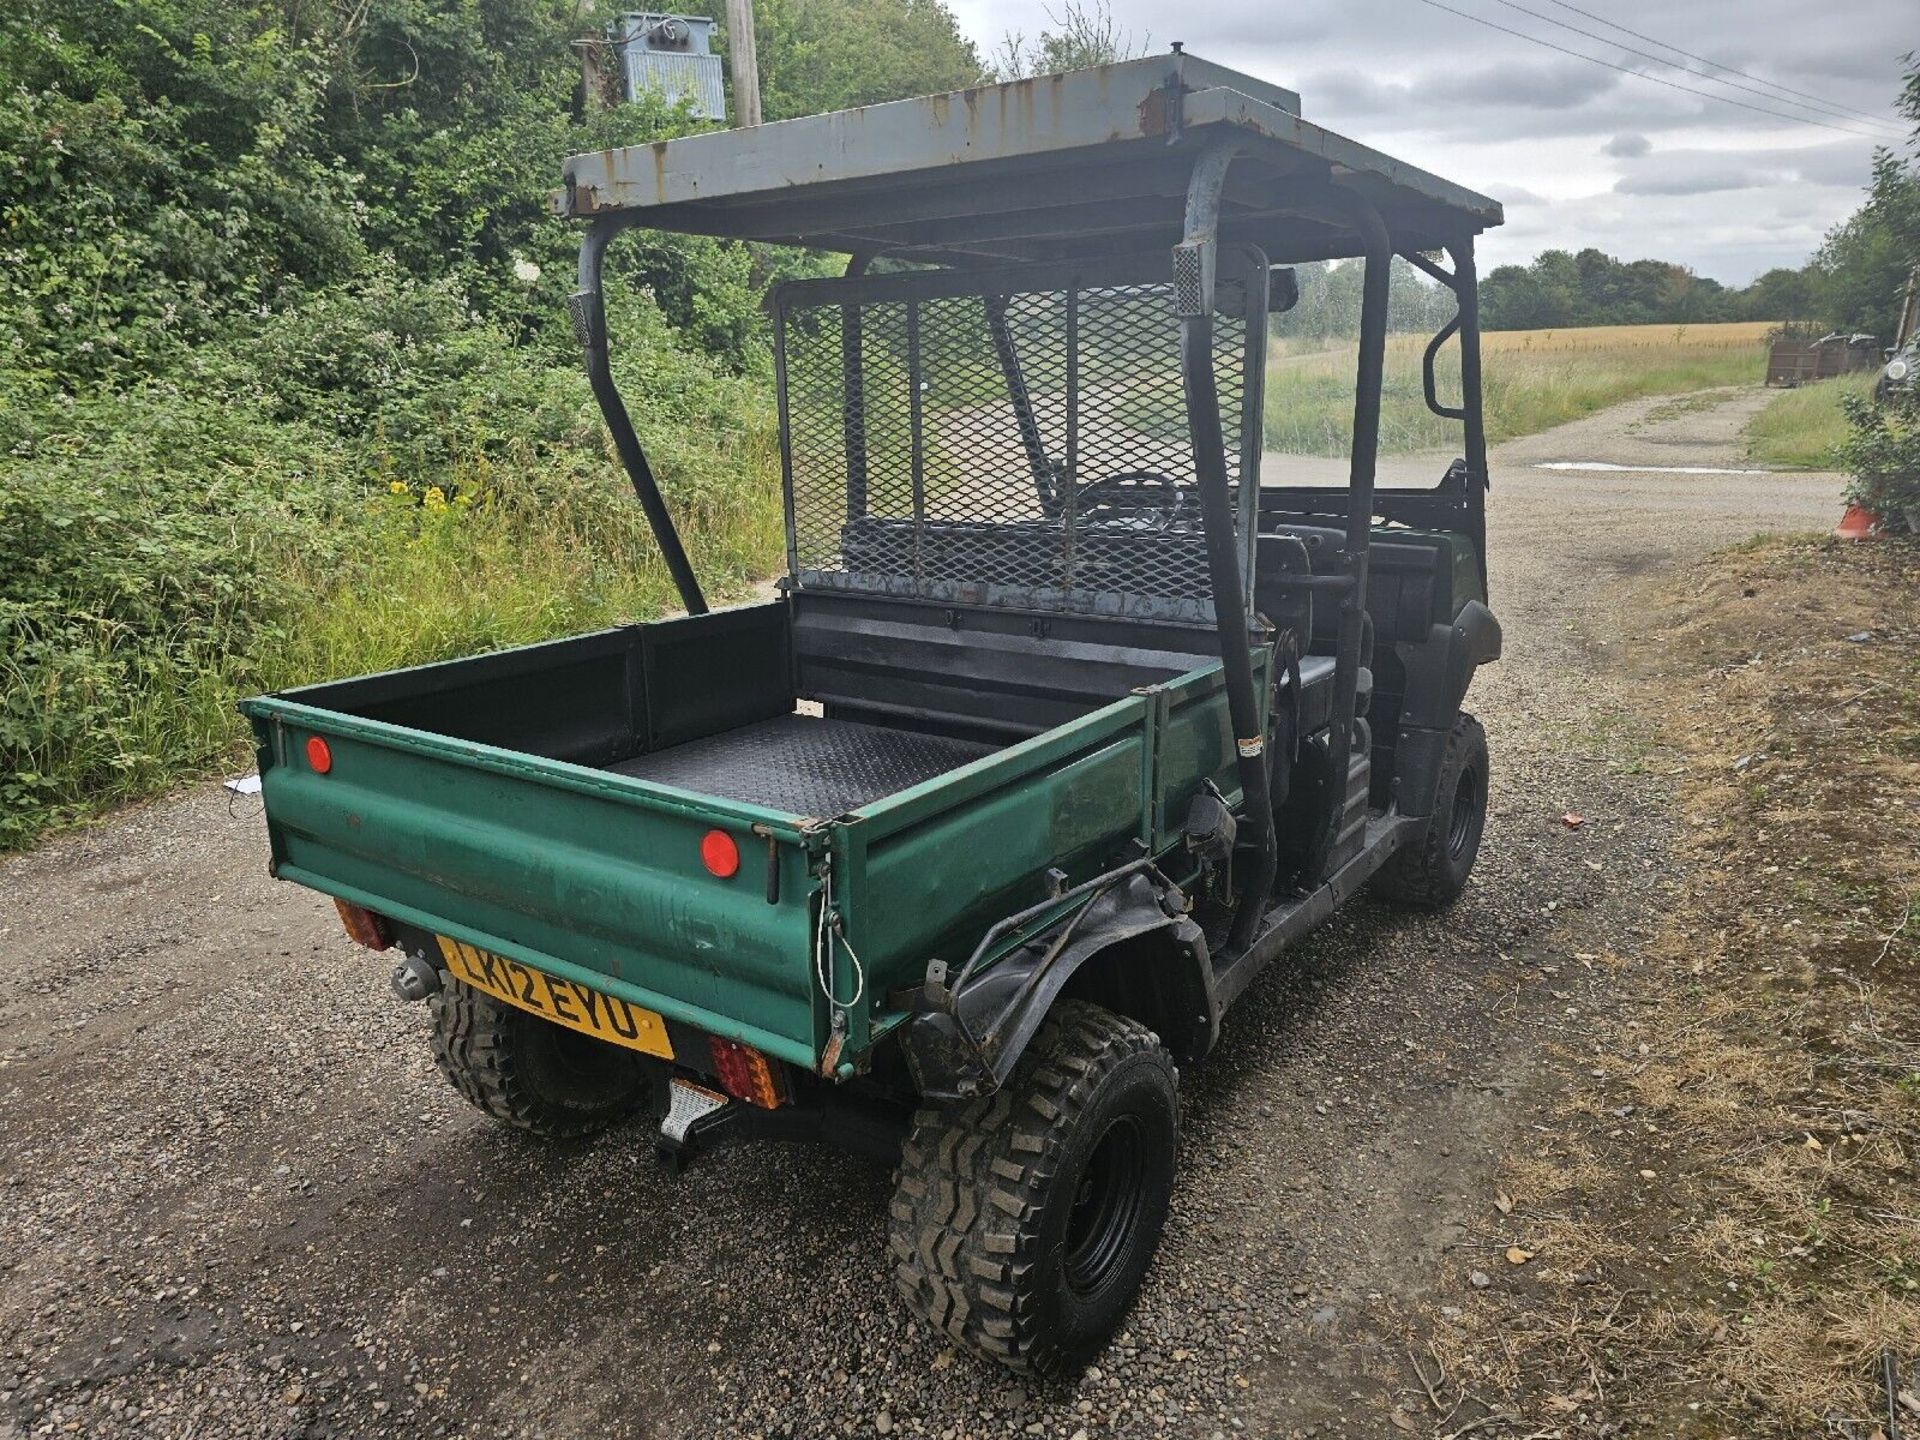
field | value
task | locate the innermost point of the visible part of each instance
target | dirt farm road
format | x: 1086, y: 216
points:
x: 239, y: 1200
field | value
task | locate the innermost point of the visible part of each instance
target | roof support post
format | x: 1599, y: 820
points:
x: 1466, y: 321
x: 588, y: 310
x: 1466, y: 287
x: 853, y: 413
x: 1195, y: 262
x: 1377, y: 247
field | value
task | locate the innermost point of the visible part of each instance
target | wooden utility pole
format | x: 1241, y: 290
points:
x: 745, y: 62
x: 595, y: 82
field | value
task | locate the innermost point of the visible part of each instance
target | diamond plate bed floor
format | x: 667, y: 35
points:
x: 804, y: 765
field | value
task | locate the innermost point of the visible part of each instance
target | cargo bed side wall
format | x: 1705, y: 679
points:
x: 927, y: 871
x: 592, y: 699
x: 571, y: 699
x: 978, y: 669
x: 702, y: 674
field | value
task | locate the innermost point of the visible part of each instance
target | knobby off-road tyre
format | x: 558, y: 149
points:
x: 529, y: 1072
x: 1432, y: 871
x: 1023, y: 1222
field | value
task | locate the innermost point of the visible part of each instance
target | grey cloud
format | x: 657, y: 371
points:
x: 1516, y: 84
x: 1702, y: 172
x: 1492, y: 103
x: 1627, y: 145
x: 1528, y: 84
x: 1695, y: 182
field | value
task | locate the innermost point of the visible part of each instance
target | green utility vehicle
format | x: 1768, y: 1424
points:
x: 1067, y: 720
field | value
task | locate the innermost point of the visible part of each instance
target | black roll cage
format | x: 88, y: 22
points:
x: 1458, y: 502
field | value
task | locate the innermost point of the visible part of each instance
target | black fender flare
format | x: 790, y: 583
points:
x: 962, y: 1044
x: 1439, y: 669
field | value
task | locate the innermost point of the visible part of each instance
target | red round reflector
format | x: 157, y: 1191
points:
x: 719, y: 854
x: 319, y: 756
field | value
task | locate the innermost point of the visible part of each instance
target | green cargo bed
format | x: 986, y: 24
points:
x: 549, y: 803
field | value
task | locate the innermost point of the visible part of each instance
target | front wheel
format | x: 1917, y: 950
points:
x: 1433, y: 868
x: 529, y: 1072
x: 1024, y: 1222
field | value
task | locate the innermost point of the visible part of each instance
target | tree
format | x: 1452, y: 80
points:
x: 1784, y: 295
x: 819, y: 55
x: 1083, y: 35
x: 1868, y: 257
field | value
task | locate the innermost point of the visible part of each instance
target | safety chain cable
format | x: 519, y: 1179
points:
x: 823, y: 950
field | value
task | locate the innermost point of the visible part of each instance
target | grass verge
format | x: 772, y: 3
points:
x: 1719, y: 1230
x: 1533, y: 380
x: 1800, y: 428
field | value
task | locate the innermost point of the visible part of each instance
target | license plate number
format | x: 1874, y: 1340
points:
x: 564, y: 1002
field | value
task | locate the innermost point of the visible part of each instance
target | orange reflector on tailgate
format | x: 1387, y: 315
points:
x: 363, y: 926
x: 719, y: 854
x: 746, y: 1074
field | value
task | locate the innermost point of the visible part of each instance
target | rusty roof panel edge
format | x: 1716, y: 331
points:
x: 1081, y: 111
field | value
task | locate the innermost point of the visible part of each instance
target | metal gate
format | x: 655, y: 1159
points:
x: 1015, y: 436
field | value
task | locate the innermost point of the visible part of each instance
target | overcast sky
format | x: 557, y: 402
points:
x: 1579, y: 154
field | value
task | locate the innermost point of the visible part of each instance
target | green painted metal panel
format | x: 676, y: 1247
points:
x: 930, y: 890
x: 520, y: 856
x: 991, y: 772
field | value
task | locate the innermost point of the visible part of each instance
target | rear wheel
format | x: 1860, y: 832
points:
x: 1433, y: 869
x: 530, y: 1072
x: 1024, y: 1221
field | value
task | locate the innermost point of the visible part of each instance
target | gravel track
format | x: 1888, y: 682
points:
x: 241, y: 1202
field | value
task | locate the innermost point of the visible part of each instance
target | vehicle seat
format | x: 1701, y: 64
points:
x: 1279, y: 560
x: 1282, y: 558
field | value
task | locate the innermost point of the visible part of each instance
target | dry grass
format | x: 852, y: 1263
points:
x: 1533, y: 380
x: 1731, y: 1251
x: 1741, y: 336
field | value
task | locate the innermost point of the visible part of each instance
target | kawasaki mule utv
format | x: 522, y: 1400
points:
x: 1065, y: 723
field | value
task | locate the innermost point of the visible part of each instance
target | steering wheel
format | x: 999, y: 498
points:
x: 1149, y: 496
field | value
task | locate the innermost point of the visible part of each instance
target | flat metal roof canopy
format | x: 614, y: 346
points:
x: 1091, y: 162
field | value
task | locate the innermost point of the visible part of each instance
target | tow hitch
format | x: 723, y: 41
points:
x: 415, y: 978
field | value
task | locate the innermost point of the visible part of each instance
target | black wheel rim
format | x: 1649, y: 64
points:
x: 1106, y: 1206
x: 1464, y: 823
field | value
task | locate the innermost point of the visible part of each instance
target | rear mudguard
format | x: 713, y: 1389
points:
x: 1439, y: 670
x: 1132, y: 947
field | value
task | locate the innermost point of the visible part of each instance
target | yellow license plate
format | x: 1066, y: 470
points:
x: 564, y: 1002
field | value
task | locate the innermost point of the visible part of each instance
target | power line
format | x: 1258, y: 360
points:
x: 1775, y: 84
x: 1640, y: 74
x: 1671, y: 65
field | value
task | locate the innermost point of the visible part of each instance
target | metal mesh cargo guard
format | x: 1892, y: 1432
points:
x: 1015, y: 436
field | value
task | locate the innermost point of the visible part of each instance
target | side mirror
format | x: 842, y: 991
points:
x: 1283, y: 290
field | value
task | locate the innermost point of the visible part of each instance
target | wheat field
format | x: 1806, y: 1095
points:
x: 1532, y: 380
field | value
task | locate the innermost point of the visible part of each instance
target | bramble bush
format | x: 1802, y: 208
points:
x: 287, y: 388
x: 137, y: 573
x: 1882, y: 454
x: 255, y: 520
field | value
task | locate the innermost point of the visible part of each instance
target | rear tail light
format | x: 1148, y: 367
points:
x: 363, y: 926
x: 746, y: 1074
x: 319, y: 755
